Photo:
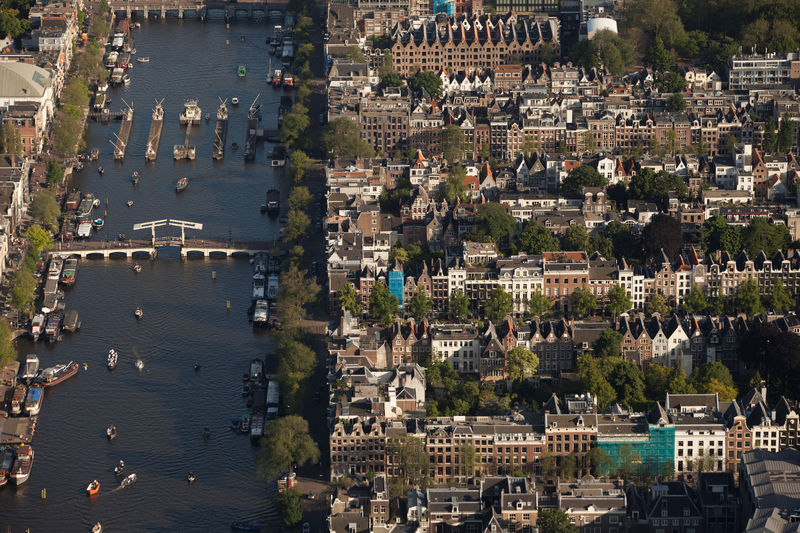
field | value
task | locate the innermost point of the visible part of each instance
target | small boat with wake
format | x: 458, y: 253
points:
x: 100, y: 170
x: 139, y: 314
x: 93, y: 488
x: 181, y: 185
x: 129, y: 203
x: 135, y: 177
x: 139, y: 364
x: 96, y: 203
x: 137, y: 268
x: 234, y: 146
x: 128, y: 481
x: 97, y: 528
x: 113, y: 357
x: 119, y: 468
x: 235, y: 101
x: 207, y: 117
x: 241, y: 525
x: 191, y: 477
x: 111, y: 432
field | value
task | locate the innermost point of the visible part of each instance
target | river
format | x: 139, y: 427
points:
x: 161, y: 412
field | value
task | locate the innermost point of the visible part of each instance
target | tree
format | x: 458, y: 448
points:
x: 300, y: 198
x: 22, y: 290
x: 539, y: 305
x: 575, y: 238
x: 580, y: 177
x: 341, y: 137
x: 599, y: 461
x: 714, y: 386
x: 12, y: 23
x: 295, y: 366
x: 383, y: 305
x: 285, y: 444
x: 761, y: 235
x: 606, y: 48
x: 420, y: 305
x: 548, y: 53
x: 289, y: 506
x: 294, y: 124
x: 657, y: 56
x: 748, y: 299
x: 348, y: 299
x: 499, y: 304
x: 39, y: 239
x: 54, y: 172
x: 770, y: 139
x: 554, y: 521
x: 10, y: 140
x: 535, y: 239
x: 411, y: 458
x: 786, y: 134
x: 608, y: 344
x: 588, y: 141
x: 76, y: 93
x: 676, y: 104
x: 628, y: 381
x: 46, y: 210
x: 427, y: 80
x: 492, y: 220
x: 670, y: 82
x: 657, y: 304
x: 712, y: 370
x: 717, y: 234
x: 592, y: 372
x: 582, y: 301
x: 305, y: 52
x: 453, y: 141
x: 662, y: 233
x: 355, y: 54
x: 521, y: 363
x: 618, y: 300
x: 459, y: 304
x: 780, y: 298
x: 454, y: 186
x: 469, y: 459
x: 391, y: 79
x: 299, y: 163
x: 297, y: 224
x: 8, y: 352
x: 655, y: 379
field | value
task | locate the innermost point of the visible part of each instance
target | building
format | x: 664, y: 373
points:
x: 22, y: 83
x: 763, y: 71
x: 770, y: 487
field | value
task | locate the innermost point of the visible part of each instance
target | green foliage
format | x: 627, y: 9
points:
x: 493, y: 221
x: 539, y: 305
x: 286, y: 442
x: 657, y: 304
x: 657, y: 56
x: 628, y: 381
x: 548, y: 54
x: 10, y: 140
x: 780, y: 298
x: 653, y: 187
x: 670, y: 82
x: 694, y: 302
x: 760, y: 234
x: 349, y: 299
x: 297, y: 224
x: 420, y: 305
x: 54, y: 172
x: 775, y: 355
x: 12, y: 23
x: 623, y: 242
x: 582, y: 301
x: 717, y: 234
x: 300, y: 198
x: 428, y: 81
x: 605, y: 48
x: 39, y: 239
x: 294, y: 124
x: 453, y: 142
x: 618, y: 300
x: 747, y: 298
x: 355, y: 54
x: 46, y: 210
x: 459, y: 305
x: 8, y: 352
x: 391, y: 79
x: 67, y: 130
x: 554, y: 521
x: 299, y: 163
x: 535, y: 239
x: 23, y: 287
x: 521, y: 364
x: 383, y: 305
x: 454, y: 186
x: 289, y: 506
x: 296, y: 365
x: 608, y: 344
x: 76, y: 93
x: 786, y: 134
x: 305, y: 52
x: 714, y: 377
x: 582, y: 176
x: 411, y: 458
x: 662, y: 233
x: 770, y: 142
x: 676, y: 103
x: 499, y: 304
x: 575, y: 238
x: 342, y: 138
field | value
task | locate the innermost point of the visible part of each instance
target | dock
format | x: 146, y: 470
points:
x: 220, y: 131
x: 154, y: 137
x: 121, y: 146
x: 191, y: 115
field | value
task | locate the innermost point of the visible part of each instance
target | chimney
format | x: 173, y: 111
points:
x: 764, y: 393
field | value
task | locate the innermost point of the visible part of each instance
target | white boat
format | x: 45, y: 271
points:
x: 191, y: 113
x: 54, y: 270
x: 31, y: 367
x: 128, y: 481
x: 139, y: 364
x: 261, y: 314
x: 235, y: 101
x: 97, y: 528
x: 258, y: 286
x: 37, y: 327
x: 139, y: 313
x: 113, y: 357
x: 23, y: 464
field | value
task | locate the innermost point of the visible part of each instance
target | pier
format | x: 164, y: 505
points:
x: 121, y: 146
x: 154, y: 137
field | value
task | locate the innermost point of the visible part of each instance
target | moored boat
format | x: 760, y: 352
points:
x: 191, y: 113
x: 258, y: 286
x: 54, y: 375
x: 18, y: 399
x: 37, y: 326
x: 277, y: 78
x: 70, y: 271
x: 182, y: 184
x: 31, y: 367
x: 54, y: 270
x: 23, y: 464
x: 273, y: 205
x: 53, y: 327
x: 244, y: 427
x: 128, y: 481
x: 33, y: 400
x: 6, y: 464
x: 93, y: 487
x: 288, y: 81
x: 71, y: 321
x: 256, y: 370
x: 98, y: 223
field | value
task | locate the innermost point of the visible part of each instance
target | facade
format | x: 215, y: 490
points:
x: 763, y: 71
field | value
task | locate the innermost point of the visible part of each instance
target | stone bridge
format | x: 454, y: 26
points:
x: 146, y: 9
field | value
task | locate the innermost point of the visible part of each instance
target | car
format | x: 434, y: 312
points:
x: 306, y: 527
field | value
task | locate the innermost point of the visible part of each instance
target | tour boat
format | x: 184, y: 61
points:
x: 139, y: 364
x: 235, y: 101
x: 277, y: 78
x: 37, y: 327
x: 139, y: 313
x: 142, y: 59
x: 93, y: 488
x: 57, y: 374
x: 23, y: 464
x: 182, y: 184
x: 98, y: 223
x: 111, y: 432
x: 128, y: 481
x: 119, y: 467
x: 34, y: 399
x: 113, y: 356
x: 18, y: 399
x: 242, y: 71
x: 6, y: 464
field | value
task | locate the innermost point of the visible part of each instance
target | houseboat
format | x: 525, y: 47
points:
x: 33, y: 400
x: 31, y: 367
x: 23, y: 464
x: 54, y: 375
x: 37, y: 327
x: 272, y: 286
x: 5, y: 464
x: 53, y: 327
x: 54, y: 270
x: 70, y: 271
x: 18, y: 399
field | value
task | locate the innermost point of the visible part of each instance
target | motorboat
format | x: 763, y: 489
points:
x: 72, y: 321
x: 111, y: 432
x: 241, y: 525
x: 244, y: 427
x: 23, y: 464
x: 206, y: 432
x: 135, y: 177
x: 128, y: 481
x: 139, y: 364
x: 235, y: 101
x: 70, y: 271
x: 242, y: 71
x: 142, y: 59
x: 95, y: 153
x: 277, y: 78
x: 100, y: 170
x: 113, y: 357
x: 182, y: 184
x: 33, y: 400
x: 191, y: 477
x: 207, y: 117
x: 57, y: 374
x: 126, y: 79
x: 246, y: 389
x: 236, y: 423
x: 98, y: 223
x: 6, y: 464
x: 93, y: 488
x: 119, y: 468
x: 197, y: 367
x: 97, y: 528
x: 288, y: 81
x: 139, y: 313
x: 137, y: 268
x: 234, y: 146
x: 96, y: 203
x: 129, y: 203
x: 37, y: 326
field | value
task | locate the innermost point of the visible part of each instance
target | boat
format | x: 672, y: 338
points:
x: 139, y: 314
x: 139, y: 364
x: 253, y: 120
x: 93, y: 488
x: 181, y: 185
x: 241, y: 525
x: 257, y: 426
x: 95, y: 153
x: 273, y: 284
x: 53, y: 327
x: 84, y: 227
x: 6, y: 464
x: 278, y: 157
x: 190, y: 477
x: 273, y: 205
x: 207, y: 117
x: 256, y: 370
x: 235, y: 423
x: 234, y: 146
x: 116, y: 75
x: 126, y: 79
x: 113, y: 357
x: 206, y: 432
x: 18, y: 399
x: 54, y: 270
x: 246, y: 389
x: 137, y: 268
x: 96, y: 203
x: 119, y: 468
x: 288, y: 81
x: 71, y: 321
x: 261, y: 314
x: 111, y: 432
x: 135, y: 177
x: 98, y: 527
x: 33, y: 401
x: 244, y: 427
x: 37, y: 326
x: 235, y: 101
x: 129, y: 203
x: 52, y: 376
x: 191, y: 113
x: 111, y: 60
x: 128, y: 481
x: 100, y: 170
x: 258, y: 286
x: 142, y: 59
x: 277, y: 78
x: 154, y: 135
x: 86, y: 205
x: 70, y: 271
x: 31, y: 367
x: 242, y: 71
x: 220, y: 131
x: 23, y: 464
x: 98, y: 223
x: 133, y: 51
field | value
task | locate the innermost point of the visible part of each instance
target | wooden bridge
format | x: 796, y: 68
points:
x: 146, y: 9
x: 149, y: 248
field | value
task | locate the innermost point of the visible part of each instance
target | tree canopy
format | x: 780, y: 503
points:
x: 582, y: 176
x: 521, y: 364
x: 286, y: 443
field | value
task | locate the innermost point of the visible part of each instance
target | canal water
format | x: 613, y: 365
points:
x: 161, y: 412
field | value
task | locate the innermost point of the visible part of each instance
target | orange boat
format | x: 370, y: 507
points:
x: 93, y: 488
